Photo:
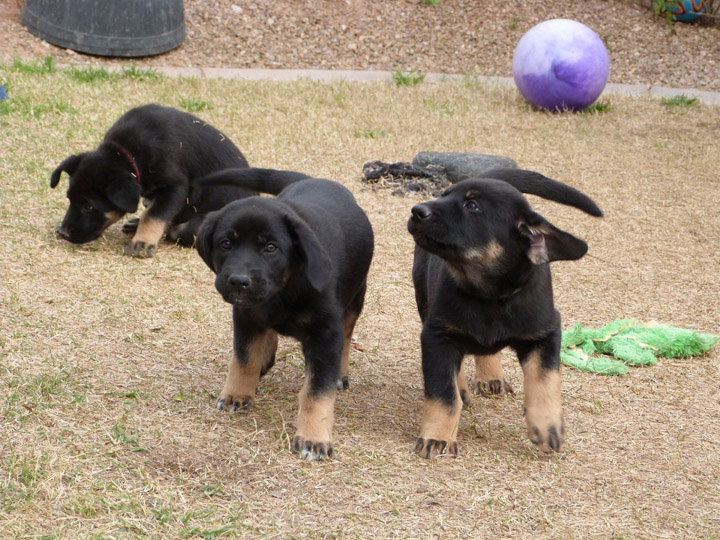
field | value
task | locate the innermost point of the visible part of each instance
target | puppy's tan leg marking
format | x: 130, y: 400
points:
x: 463, y: 387
x: 543, y: 405
x: 316, y: 416
x: 489, y: 380
x: 149, y: 233
x: 349, y: 320
x: 112, y: 217
x: 438, y: 431
x: 243, y: 377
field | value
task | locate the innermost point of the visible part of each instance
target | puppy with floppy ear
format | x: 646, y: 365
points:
x: 295, y: 265
x: 482, y: 283
x: 155, y: 153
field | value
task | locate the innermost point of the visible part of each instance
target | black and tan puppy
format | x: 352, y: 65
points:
x: 295, y: 265
x: 154, y: 153
x: 482, y: 283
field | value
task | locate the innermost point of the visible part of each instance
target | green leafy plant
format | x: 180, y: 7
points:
x: 664, y: 8
x: 432, y: 2
x: 410, y: 78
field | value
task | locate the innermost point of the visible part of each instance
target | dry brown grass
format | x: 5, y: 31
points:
x: 111, y: 365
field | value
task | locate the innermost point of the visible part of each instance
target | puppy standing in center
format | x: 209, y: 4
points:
x: 295, y: 265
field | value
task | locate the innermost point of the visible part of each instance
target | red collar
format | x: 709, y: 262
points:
x: 120, y: 148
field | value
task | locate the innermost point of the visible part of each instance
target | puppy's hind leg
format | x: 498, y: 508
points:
x: 184, y: 234
x: 463, y: 386
x: 130, y: 226
x: 350, y: 318
x: 489, y: 380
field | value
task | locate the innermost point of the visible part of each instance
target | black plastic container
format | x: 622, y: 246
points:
x: 108, y: 27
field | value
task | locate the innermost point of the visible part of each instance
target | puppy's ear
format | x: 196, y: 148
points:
x: 203, y: 242
x: 125, y: 194
x: 68, y: 165
x: 547, y: 242
x: 318, y: 265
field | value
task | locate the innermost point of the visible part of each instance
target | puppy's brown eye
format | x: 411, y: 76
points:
x: 270, y: 247
x: 472, y: 206
x: 225, y: 244
x: 86, y: 206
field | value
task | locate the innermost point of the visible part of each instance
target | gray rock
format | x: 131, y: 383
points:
x: 460, y: 165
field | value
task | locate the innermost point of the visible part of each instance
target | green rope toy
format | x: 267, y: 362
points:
x: 631, y: 343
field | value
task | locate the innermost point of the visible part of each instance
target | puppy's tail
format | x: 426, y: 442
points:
x: 547, y: 188
x: 270, y: 181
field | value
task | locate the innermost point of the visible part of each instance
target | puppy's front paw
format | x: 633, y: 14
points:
x: 130, y: 226
x: 496, y: 387
x: 142, y: 250
x: 438, y: 432
x: 312, y: 450
x: 543, y: 406
x: 546, y: 432
x: 227, y: 402
x: 432, y: 448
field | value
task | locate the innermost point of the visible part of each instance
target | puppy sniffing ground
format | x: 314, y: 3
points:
x: 155, y: 153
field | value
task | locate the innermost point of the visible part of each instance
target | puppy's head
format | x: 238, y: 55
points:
x: 258, y: 247
x: 101, y: 191
x: 487, y: 224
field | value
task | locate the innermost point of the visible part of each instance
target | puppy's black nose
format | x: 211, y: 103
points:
x: 242, y: 281
x: 420, y: 212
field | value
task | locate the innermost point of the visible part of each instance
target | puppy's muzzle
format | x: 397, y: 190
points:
x: 62, y: 232
x: 239, y: 281
x: 420, y: 212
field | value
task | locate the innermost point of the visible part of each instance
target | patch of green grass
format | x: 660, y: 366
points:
x: 210, y: 534
x: 134, y: 72
x: 33, y: 393
x: 36, y: 67
x: 514, y: 22
x: 24, y: 107
x: 432, y: 2
x: 120, y: 434
x: 163, y: 515
x: 90, y: 75
x: 680, y: 101
x: 372, y: 133
x: 411, y: 78
x: 445, y: 106
x: 193, y: 105
x: 598, y: 107
x: 22, y: 471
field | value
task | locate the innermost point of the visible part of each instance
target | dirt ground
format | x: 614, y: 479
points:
x: 457, y: 36
x: 110, y: 366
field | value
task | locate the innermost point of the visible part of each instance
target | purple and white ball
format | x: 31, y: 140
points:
x: 561, y: 65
